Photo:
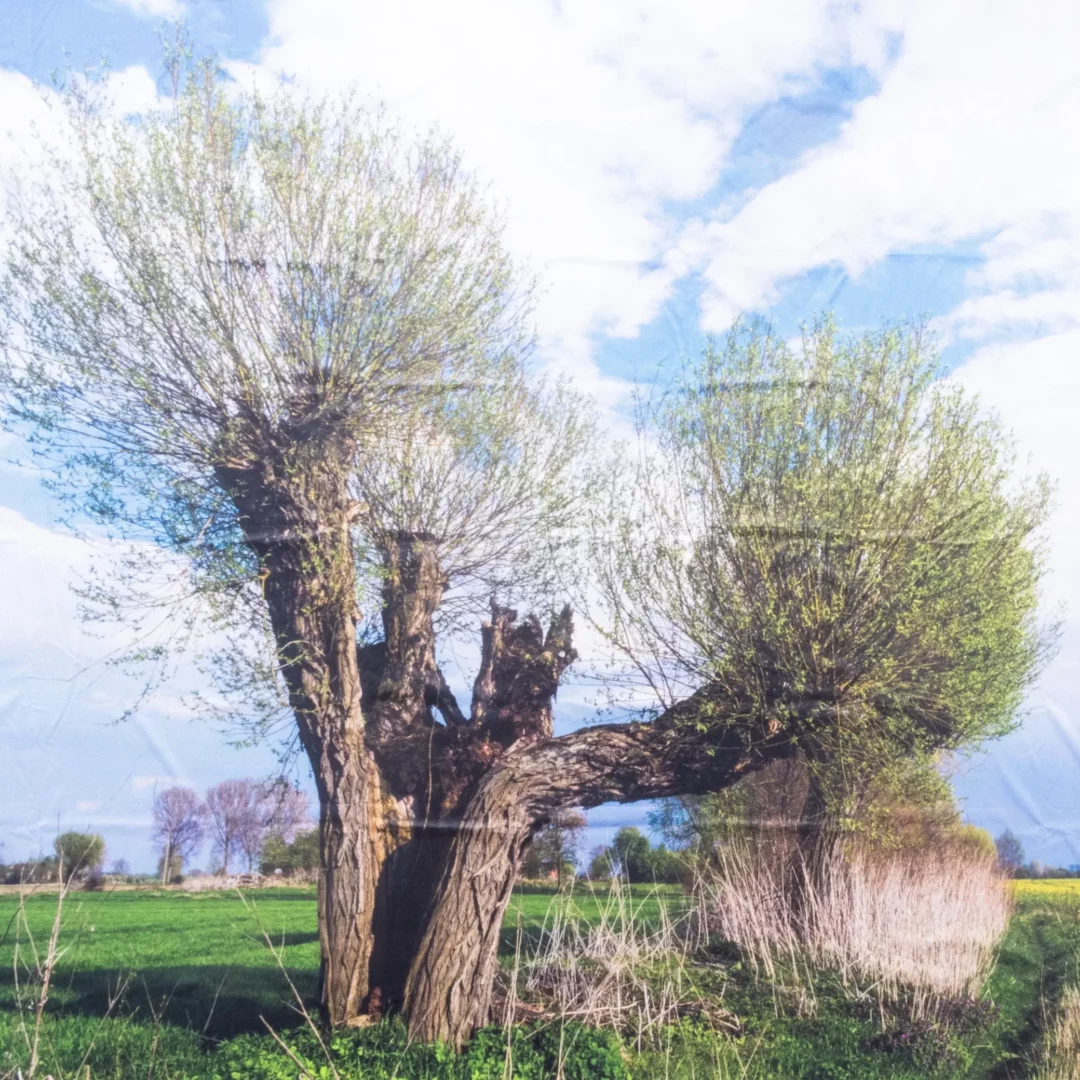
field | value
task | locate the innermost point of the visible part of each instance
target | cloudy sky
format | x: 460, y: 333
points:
x: 666, y: 166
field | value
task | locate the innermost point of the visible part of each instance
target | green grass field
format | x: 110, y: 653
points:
x: 200, y: 974
x: 201, y: 959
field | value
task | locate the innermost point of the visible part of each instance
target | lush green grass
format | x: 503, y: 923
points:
x: 198, y: 960
x: 200, y: 973
x: 531, y: 911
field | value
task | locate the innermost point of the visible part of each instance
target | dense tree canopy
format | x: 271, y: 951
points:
x: 79, y: 854
x: 832, y: 535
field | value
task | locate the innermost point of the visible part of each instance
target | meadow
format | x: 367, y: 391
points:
x: 187, y: 978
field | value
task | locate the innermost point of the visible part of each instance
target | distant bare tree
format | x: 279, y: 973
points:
x: 285, y: 810
x: 1010, y: 852
x: 272, y: 808
x: 178, y: 826
x: 232, y: 815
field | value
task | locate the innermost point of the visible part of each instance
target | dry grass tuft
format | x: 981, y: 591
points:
x: 1063, y: 1040
x: 919, y: 930
x: 622, y: 970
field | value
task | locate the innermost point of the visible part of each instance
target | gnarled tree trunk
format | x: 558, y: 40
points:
x: 448, y: 994
x: 296, y: 518
x: 449, y: 988
x: 423, y: 824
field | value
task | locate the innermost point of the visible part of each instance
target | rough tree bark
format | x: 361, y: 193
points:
x: 296, y: 518
x: 511, y: 708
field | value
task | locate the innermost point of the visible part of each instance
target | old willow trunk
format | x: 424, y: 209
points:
x: 449, y: 988
x: 295, y: 517
x: 423, y: 824
x: 401, y: 686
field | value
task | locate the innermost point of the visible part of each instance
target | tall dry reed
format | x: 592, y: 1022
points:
x: 1062, y: 1061
x: 915, y: 928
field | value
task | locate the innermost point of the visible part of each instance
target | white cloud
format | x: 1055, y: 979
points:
x: 967, y: 138
x: 154, y: 9
x: 1034, y: 385
x: 26, y: 111
x: 132, y: 90
x: 147, y: 783
x: 34, y: 133
x: 591, y: 119
x: 87, y: 806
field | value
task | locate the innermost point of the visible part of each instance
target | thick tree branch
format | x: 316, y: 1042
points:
x: 512, y: 707
x: 706, y: 743
x: 520, y: 666
x: 410, y: 680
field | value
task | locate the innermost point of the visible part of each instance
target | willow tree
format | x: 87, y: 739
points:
x: 277, y: 352
x: 836, y: 537
x: 282, y: 350
x: 821, y: 553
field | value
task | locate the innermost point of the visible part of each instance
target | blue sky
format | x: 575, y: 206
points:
x: 665, y: 166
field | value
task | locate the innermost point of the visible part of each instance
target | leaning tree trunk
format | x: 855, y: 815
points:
x: 448, y: 994
x: 356, y: 834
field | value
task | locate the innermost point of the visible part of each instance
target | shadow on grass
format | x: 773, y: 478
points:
x: 299, y: 938
x: 530, y: 939
x: 216, y: 1001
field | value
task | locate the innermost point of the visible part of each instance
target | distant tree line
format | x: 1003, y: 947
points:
x: 555, y: 855
x: 251, y: 824
x: 631, y: 856
x: 78, y: 858
x: 1010, y: 854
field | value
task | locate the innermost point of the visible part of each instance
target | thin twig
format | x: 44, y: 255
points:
x: 292, y: 1057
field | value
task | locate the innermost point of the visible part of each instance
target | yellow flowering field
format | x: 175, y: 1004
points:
x: 1047, y: 889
